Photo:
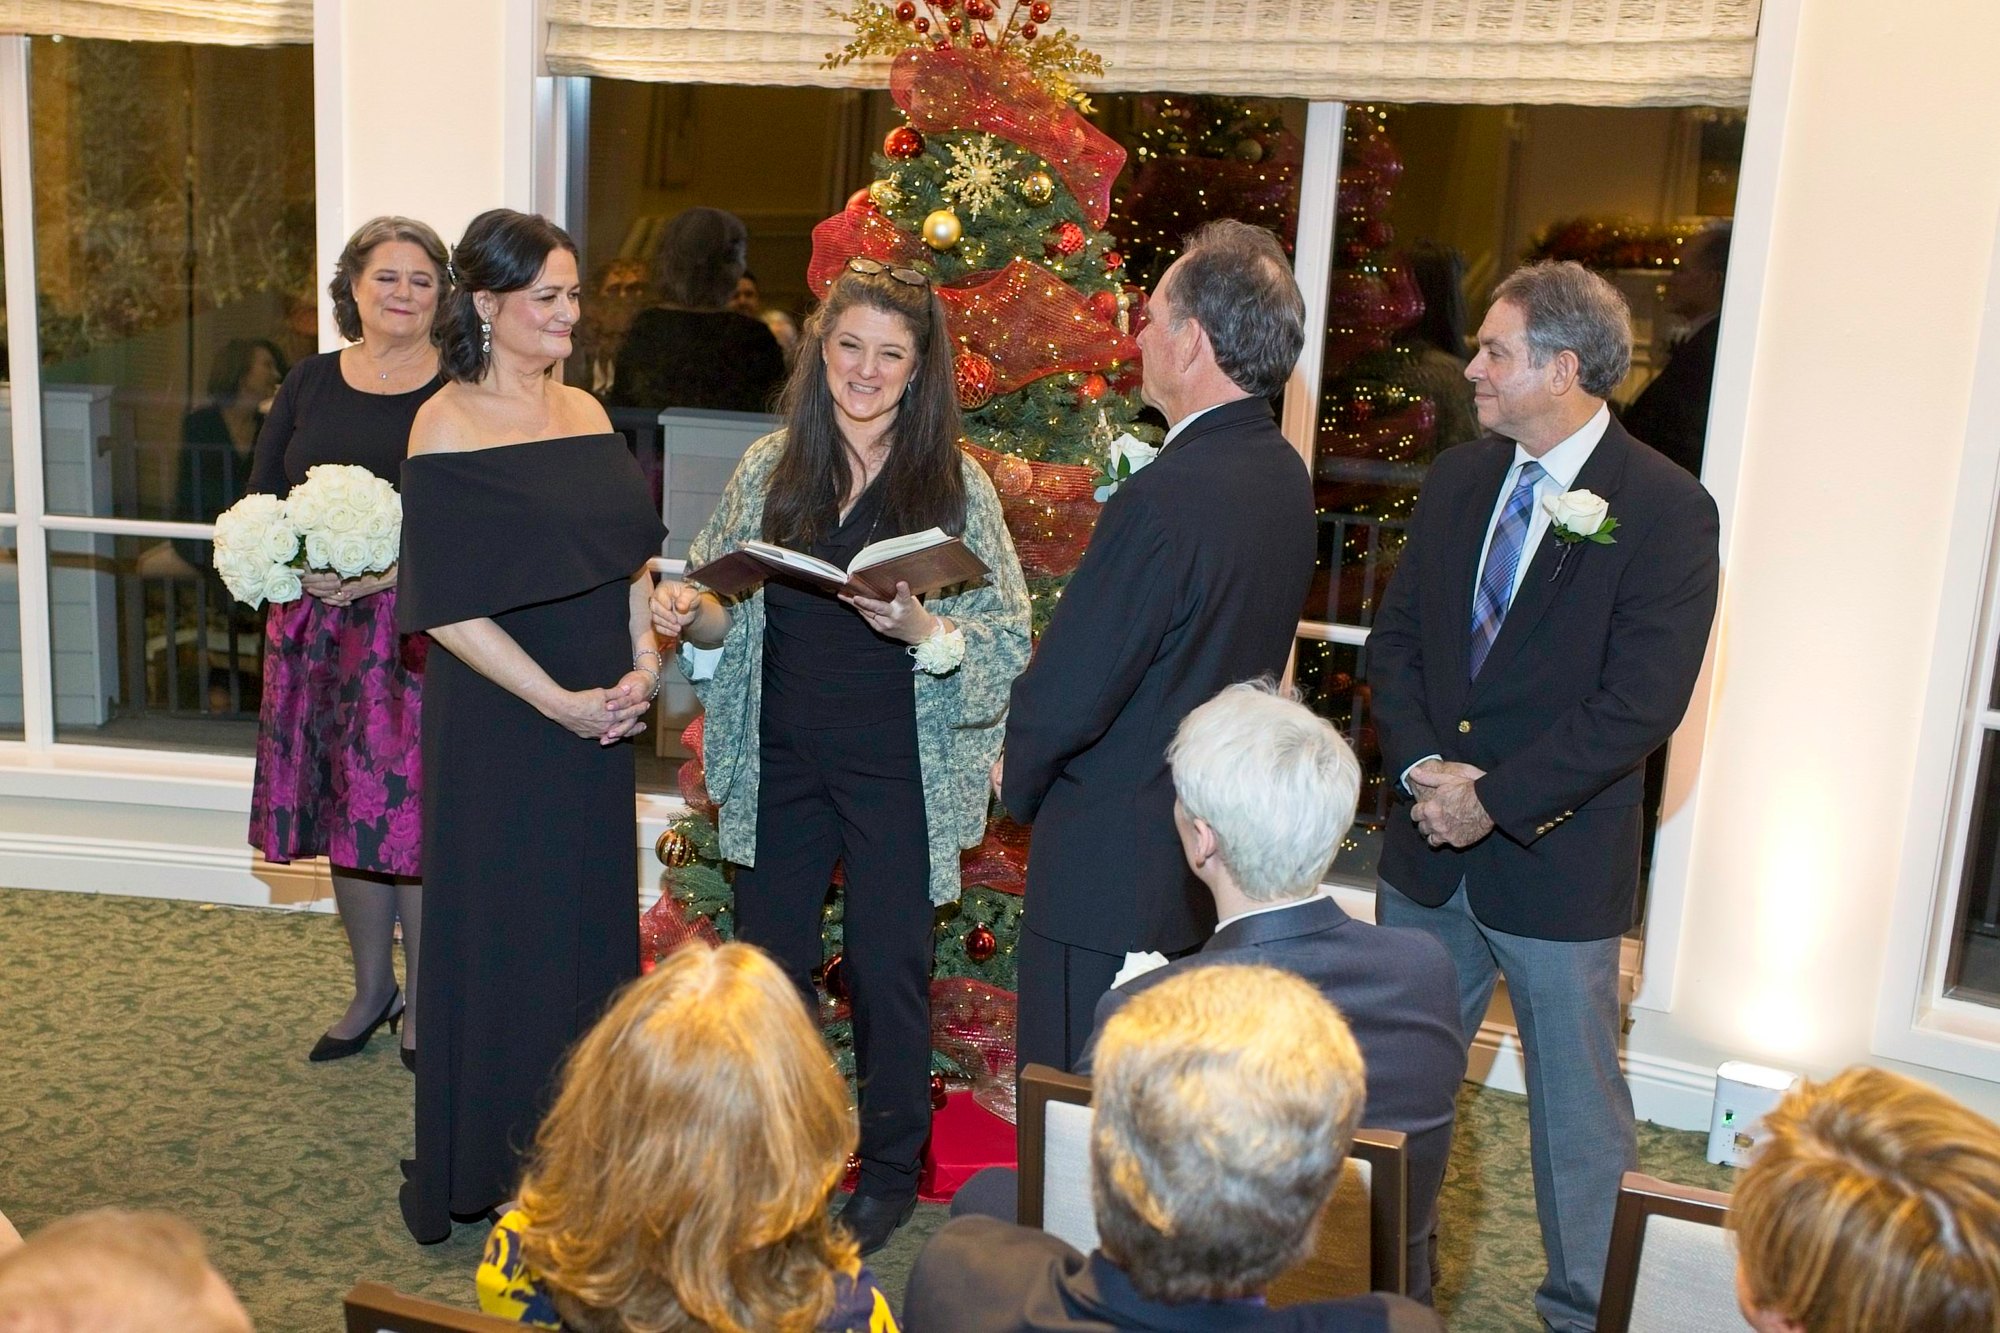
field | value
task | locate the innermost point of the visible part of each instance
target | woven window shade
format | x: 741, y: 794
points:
x: 210, y: 22
x: 1593, y: 52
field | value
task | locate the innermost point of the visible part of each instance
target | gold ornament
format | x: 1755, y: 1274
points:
x: 942, y: 230
x: 884, y: 194
x: 1037, y: 188
x: 1249, y: 150
x: 675, y: 849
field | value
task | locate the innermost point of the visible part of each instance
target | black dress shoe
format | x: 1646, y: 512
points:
x: 330, y: 1047
x: 872, y: 1220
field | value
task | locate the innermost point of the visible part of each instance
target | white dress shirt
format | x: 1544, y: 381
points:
x: 1187, y: 421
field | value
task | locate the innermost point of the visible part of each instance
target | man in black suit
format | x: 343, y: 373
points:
x: 1214, y: 1148
x: 1266, y: 792
x: 1193, y: 579
x: 1539, y: 639
x: 1671, y: 414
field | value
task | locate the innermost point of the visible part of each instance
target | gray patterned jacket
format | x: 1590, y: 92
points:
x: 960, y: 715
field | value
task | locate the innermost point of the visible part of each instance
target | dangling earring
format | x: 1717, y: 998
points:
x: 485, y: 336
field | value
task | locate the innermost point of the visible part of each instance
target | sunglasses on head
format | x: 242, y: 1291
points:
x: 909, y: 277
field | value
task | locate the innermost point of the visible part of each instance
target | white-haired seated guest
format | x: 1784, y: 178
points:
x: 1225, y: 1101
x: 1264, y: 792
x: 115, y: 1272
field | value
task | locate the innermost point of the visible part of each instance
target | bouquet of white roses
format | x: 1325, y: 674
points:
x: 255, y: 550
x: 346, y: 519
x: 351, y: 519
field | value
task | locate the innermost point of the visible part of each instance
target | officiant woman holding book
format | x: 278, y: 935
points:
x: 850, y: 729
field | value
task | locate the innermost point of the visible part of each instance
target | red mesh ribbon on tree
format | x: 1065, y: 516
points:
x: 972, y: 1024
x: 694, y: 790
x: 958, y: 89
x: 1000, y: 861
x: 1030, y: 323
x: 1049, y: 507
x: 859, y: 230
x: 665, y: 927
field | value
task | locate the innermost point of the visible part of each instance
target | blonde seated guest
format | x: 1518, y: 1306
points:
x: 115, y: 1272
x: 1872, y: 1206
x: 681, y: 1179
x: 1225, y: 1100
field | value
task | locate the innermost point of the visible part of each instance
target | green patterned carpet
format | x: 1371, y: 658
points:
x: 154, y: 1057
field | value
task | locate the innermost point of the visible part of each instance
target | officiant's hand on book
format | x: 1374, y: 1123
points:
x: 904, y: 619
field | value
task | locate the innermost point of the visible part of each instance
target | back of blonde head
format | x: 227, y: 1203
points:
x: 1873, y: 1206
x: 1225, y: 1100
x: 681, y: 1179
x: 115, y: 1272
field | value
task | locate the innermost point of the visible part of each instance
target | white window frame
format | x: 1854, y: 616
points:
x: 1914, y: 1019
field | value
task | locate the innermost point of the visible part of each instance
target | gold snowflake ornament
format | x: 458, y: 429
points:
x: 978, y: 174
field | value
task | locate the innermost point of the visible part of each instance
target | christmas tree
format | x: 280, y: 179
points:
x: 999, y: 189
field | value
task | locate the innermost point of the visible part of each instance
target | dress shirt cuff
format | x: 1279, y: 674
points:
x: 1405, y: 779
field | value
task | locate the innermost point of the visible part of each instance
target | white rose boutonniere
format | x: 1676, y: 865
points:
x: 1581, y: 516
x: 1577, y: 517
x: 1127, y: 455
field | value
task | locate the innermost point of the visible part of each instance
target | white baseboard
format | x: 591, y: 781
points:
x: 231, y: 876
x: 1666, y: 1092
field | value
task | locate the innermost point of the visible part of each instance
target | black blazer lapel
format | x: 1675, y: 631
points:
x: 1602, y: 474
x: 1309, y: 917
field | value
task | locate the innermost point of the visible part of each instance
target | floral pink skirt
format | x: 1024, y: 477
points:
x: 339, y: 763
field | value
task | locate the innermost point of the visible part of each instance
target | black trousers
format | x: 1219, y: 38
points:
x: 854, y: 795
x: 1060, y: 985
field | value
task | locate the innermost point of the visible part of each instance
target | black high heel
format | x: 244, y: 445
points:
x: 330, y: 1047
x: 409, y: 1057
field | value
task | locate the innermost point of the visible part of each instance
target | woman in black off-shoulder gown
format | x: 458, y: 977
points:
x: 530, y: 900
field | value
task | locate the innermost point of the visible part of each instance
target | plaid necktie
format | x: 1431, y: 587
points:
x: 1503, y: 557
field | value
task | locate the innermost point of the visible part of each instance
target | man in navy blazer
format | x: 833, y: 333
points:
x: 1539, y: 639
x: 1193, y: 579
x: 1265, y: 793
x: 1225, y: 1101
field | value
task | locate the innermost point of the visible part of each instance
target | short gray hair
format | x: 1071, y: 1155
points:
x: 354, y: 258
x: 703, y: 252
x: 1567, y: 308
x: 1234, y: 280
x: 1226, y: 1098
x: 1275, y: 781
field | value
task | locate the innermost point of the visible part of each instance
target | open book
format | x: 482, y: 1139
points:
x: 926, y: 560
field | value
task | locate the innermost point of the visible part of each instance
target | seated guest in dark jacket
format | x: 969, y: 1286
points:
x: 1214, y: 1149
x: 1671, y: 413
x: 1264, y: 792
x: 692, y: 350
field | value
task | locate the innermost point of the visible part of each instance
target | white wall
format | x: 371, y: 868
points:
x: 426, y: 108
x: 1863, y: 247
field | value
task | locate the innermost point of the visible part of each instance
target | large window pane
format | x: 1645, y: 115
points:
x: 1973, y: 967
x: 11, y: 700
x: 150, y: 650
x: 1437, y: 204
x: 1329, y: 678
x: 175, y: 264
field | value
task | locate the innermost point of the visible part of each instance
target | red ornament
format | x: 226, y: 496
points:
x: 1113, y: 259
x: 980, y: 944
x: 859, y: 202
x: 923, y: 24
x: 979, y: 40
x: 834, y: 976
x: 975, y: 375
x: 1013, y: 476
x: 945, y: 5
x: 1028, y: 31
x: 1093, y: 387
x: 1039, y: 11
x: 954, y: 24
x: 937, y: 1092
x: 903, y: 143
x: 1067, y: 239
x: 905, y: 12
x: 1104, y: 305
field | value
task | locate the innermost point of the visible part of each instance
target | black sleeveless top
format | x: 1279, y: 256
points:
x: 824, y: 667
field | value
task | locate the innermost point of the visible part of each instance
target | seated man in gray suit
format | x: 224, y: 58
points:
x: 1264, y: 792
x: 1214, y: 1149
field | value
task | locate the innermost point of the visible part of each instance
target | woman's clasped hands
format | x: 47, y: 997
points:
x: 608, y: 716
x: 334, y: 590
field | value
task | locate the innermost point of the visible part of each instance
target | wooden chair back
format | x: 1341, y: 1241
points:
x: 374, y: 1307
x: 1672, y: 1266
